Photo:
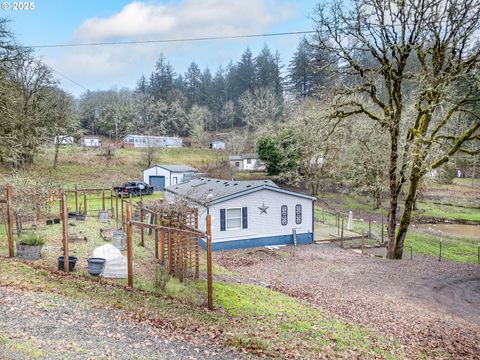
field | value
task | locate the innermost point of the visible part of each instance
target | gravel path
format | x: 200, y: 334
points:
x: 50, y: 326
x: 423, y: 303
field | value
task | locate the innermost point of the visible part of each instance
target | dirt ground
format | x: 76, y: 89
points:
x: 423, y: 304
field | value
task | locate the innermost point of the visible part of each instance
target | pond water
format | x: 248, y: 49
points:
x: 454, y: 230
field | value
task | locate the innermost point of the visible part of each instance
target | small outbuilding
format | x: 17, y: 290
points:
x: 91, y: 142
x: 217, y: 145
x: 161, y: 176
x: 248, y: 214
x: 246, y: 162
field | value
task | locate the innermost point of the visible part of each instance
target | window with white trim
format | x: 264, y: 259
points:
x: 284, y: 215
x: 298, y: 214
x: 233, y: 218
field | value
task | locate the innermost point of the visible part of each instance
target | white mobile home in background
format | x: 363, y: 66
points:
x: 151, y: 141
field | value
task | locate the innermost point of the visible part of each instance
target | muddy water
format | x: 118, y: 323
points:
x: 454, y: 230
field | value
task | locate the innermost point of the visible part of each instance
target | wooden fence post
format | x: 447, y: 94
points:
x: 76, y: 200
x: 209, y: 262
x: 369, y: 235
x: 129, y: 245
x: 10, y: 220
x: 156, y: 235
x: 162, y: 246
x: 85, y: 202
x: 363, y: 242
x: 64, y: 218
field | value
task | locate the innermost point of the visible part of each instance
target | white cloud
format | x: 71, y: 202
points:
x: 139, y: 20
x: 120, y: 65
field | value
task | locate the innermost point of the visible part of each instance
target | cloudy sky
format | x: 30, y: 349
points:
x: 104, y: 67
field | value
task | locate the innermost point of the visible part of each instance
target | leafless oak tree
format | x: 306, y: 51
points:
x: 421, y: 70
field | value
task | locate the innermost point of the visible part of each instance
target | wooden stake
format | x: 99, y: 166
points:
x: 209, y: 262
x: 129, y: 245
x: 123, y: 218
x: 10, y: 220
x: 64, y: 217
x: 162, y: 246
x: 103, y: 200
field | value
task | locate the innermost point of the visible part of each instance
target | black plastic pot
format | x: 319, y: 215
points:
x: 72, y: 215
x: 95, y: 266
x: 72, y: 260
x: 80, y: 217
x: 56, y: 221
x: 49, y: 222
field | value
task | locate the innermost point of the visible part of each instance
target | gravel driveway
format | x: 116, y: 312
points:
x: 421, y: 303
x: 50, y: 326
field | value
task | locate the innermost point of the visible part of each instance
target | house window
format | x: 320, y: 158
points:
x: 249, y: 161
x: 234, y: 218
x: 284, y: 214
x: 175, y: 180
x: 298, y: 214
x: 237, y: 163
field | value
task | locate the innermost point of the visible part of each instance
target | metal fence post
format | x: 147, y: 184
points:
x: 209, y: 262
x: 10, y: 220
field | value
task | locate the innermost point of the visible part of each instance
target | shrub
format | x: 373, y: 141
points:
x: 33, y: 240
x: 161, y: 277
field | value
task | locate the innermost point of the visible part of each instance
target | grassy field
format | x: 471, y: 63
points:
x: 90, y: 167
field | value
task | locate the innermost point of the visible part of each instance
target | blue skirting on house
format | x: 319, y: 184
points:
x: 258, y: 242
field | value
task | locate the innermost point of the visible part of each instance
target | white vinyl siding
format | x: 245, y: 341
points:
x: 260, y: 225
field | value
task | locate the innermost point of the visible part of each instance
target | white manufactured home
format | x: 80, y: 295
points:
x: 91, y: 141
x: 152, y: 141
x: 217, y: 145
x: 248, y: 214
x: 160, y: 176
x: 246, y: 162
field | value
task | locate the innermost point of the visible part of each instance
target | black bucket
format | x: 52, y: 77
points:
x: 95, y: 266
x: 72, y: 260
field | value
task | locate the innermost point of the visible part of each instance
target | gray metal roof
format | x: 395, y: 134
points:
x: 207, y: 190
x: 175, y: 168
x: 243, y: 156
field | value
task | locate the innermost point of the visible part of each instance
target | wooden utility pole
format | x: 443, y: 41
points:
x: 64, y: 218
x: 10, y: 220
x: 209, y: 262
x: 129, y: 244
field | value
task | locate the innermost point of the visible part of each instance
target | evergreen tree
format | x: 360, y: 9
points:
x: 192, y: 84
x: 161, y: 81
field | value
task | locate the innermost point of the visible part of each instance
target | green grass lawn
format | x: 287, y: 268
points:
x: 454, y: 249
x: 429, y: 209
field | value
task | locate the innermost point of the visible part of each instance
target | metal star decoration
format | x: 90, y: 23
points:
x: 263, y: 209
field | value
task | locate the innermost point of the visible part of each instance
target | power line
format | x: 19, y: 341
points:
x: 175, y: 40
x: 66, y: 77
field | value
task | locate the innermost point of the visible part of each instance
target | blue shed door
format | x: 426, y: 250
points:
x: 158, y: 182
